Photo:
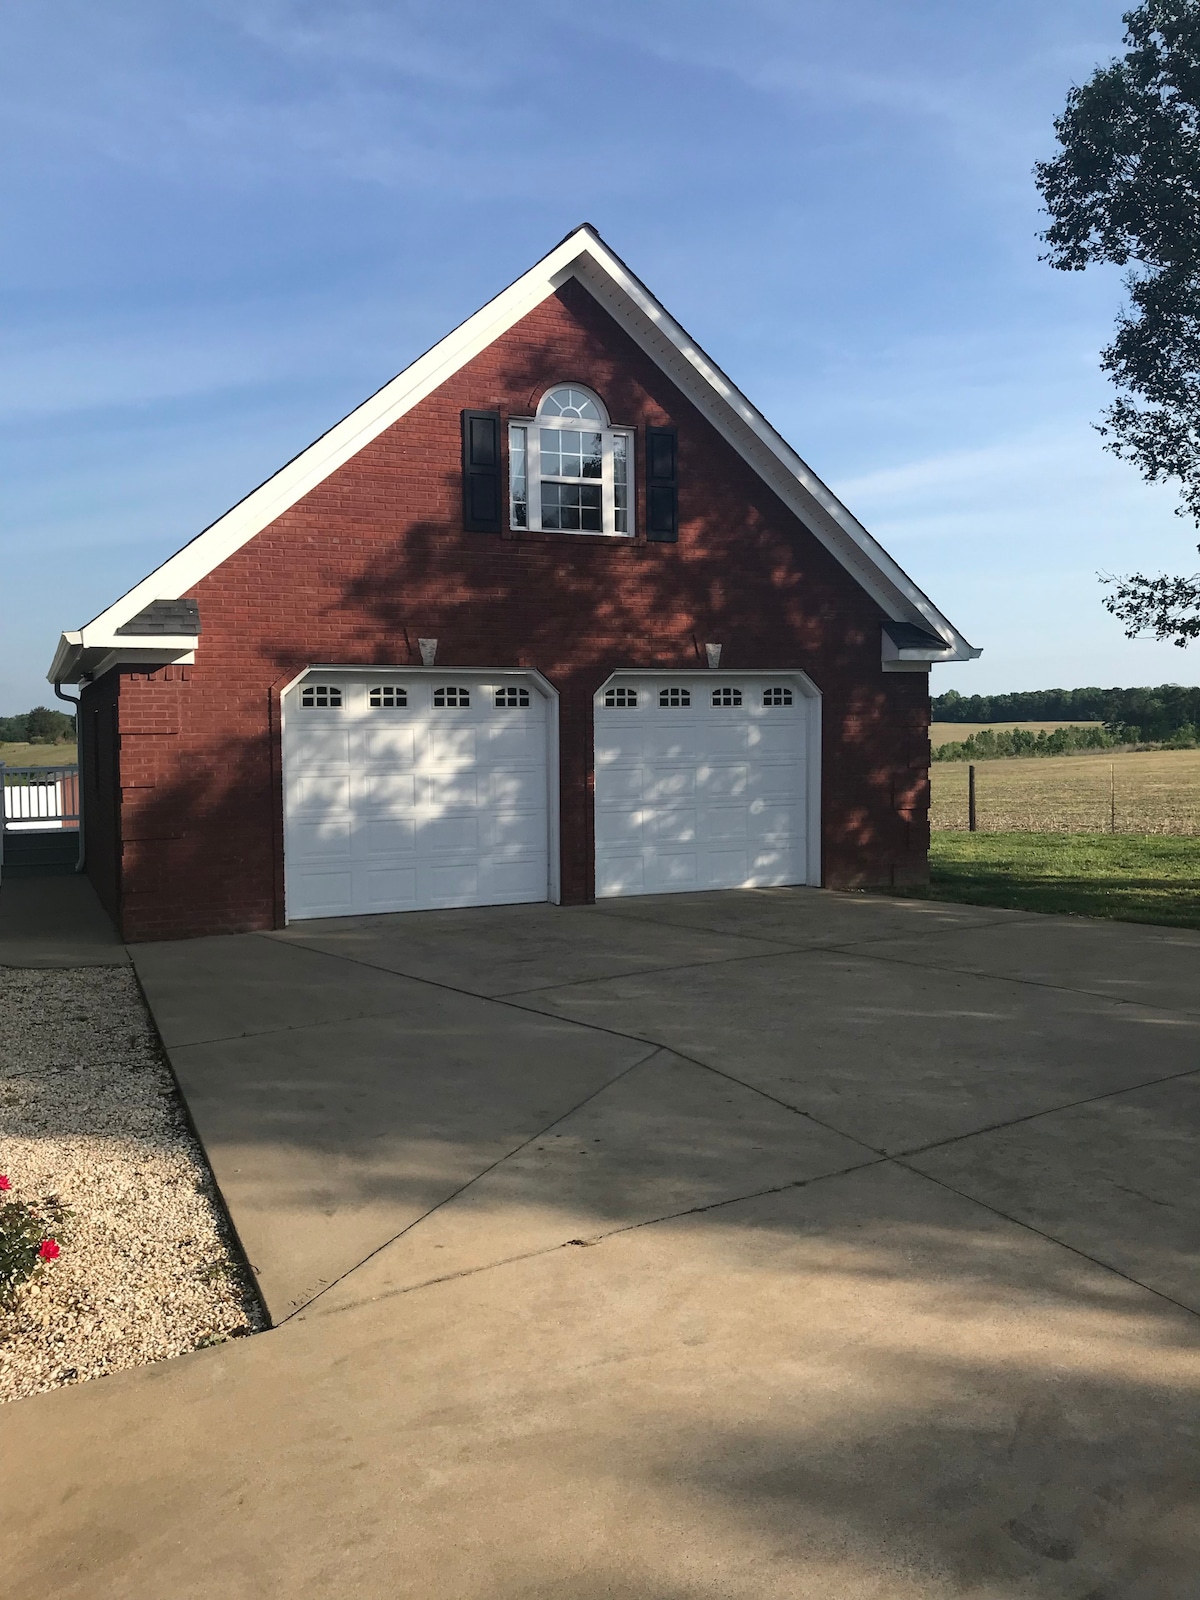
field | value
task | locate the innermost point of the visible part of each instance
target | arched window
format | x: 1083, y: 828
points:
x: 570, y: 471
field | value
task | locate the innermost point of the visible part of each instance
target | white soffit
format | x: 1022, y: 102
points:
x: 585, y: 256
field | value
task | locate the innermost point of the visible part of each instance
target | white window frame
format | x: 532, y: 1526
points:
x: 533, y: 467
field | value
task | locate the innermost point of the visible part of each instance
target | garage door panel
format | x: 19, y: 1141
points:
x: 444, y: 791
x: 622, y: 784
x: 387, y: 889
x: 619, y: 828
x: 517, y: 788
x: 773, y: 741
x: 723, y: 739
x: 774, y: 823
x: 402, y: 808
x: 721, y: 780
x: 390, y: 747
x: 668, y: 784
x: 450, y: 885
x: 323, y: 746
x: 331, y: 894
x: 453, y: 746
x: 389, y: 836
x: 330, y: 839
x: 321, y: 795
x: 517, y: 734
x: 457, y: 835
x: 670, y: 871
x: 676, y: 826
x: 719, y: 823
x: 515, y: 881
x: 671, y: 744
x: 620, y: 875
x: 703, y: 796
x: 519, y: 830
x: 388, y: 791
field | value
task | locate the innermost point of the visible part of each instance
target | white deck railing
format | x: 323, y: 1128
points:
x: 40, y: 798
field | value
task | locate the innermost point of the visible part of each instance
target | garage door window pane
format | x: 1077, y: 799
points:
x: 727, y: 697
x: 777, y: 696
x: 388, y: 696
x: 620, y: 699
x: 451, y: 696
x: 511, y: 697
x: 321, y: 697
x: 674, y: 697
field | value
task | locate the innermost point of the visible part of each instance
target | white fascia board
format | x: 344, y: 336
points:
x: 70, y: 647
x: 73, y: 660
x: 583, y: 255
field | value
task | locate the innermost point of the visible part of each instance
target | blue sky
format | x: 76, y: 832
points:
x: 227, y: 223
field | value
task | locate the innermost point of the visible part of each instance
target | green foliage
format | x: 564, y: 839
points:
x: 1124, y: 189
x: 1133, y: 716
x: 989, y: 744
x: 39, y: 726
x: 25, y: 1230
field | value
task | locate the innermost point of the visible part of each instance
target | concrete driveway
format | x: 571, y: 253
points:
x: 772, y: 1243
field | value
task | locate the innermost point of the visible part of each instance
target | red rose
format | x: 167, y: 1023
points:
x: 49, y: 1250
x: 4, y: 1183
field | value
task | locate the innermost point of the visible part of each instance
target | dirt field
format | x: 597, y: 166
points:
x: 1157, y: 792
x: 952, y: 732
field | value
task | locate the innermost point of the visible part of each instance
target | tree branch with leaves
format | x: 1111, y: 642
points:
x: 1125, y: 189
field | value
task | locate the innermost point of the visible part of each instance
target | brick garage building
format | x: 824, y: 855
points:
x: 555, y: 613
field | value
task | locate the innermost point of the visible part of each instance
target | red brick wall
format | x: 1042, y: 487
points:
x: 375, y: 557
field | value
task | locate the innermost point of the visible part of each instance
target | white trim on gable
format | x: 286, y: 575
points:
x: 582, y: 255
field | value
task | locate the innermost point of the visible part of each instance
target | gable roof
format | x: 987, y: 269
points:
x: 582, y: 255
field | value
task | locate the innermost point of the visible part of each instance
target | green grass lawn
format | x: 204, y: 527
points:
x: 38, y: 755
x: 1132, y: 877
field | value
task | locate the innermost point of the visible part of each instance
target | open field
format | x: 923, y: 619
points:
x: 38, y: 755
x: 1158, y: 792
x: 1126, y: 877
x: 952, y: 732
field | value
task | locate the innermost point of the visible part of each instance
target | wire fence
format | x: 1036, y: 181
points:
x: 1154, y: 792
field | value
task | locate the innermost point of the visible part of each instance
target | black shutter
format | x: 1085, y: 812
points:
x: 662, y: 485
x: 481, y: 471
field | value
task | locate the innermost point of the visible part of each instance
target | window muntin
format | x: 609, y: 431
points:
x: 727, y: 697
x: 568, y: 478
x: 518, y: 477
x: 570, y: 453
x: 511, y: 696
x: 572, y: 508
x: 321, y: 697
x: 620, y: 467
x: 569, y: 402
x: 620, y: 699
x: 670, y: 698
x: 387, y: 697
x: 777, y: 696
x: 451, y: 696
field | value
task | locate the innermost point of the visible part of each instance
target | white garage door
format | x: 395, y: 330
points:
x: 702, y: 782
x: 408, y: 791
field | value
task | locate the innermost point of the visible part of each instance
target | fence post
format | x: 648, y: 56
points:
x: 971, y: 798
x: 1112, y: 797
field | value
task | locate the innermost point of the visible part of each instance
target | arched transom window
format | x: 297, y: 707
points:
x: 570, y: 471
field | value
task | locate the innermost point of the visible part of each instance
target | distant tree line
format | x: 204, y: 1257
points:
x: 39, y: 726
x: 1131, y: 716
